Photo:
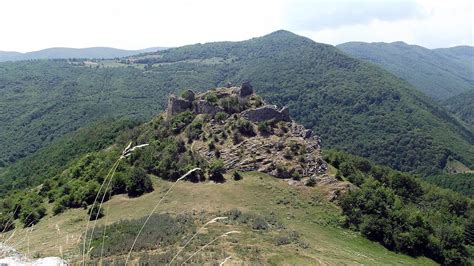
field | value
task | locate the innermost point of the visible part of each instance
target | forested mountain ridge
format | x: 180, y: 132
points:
x: 65, y: 53
x: 353, y: 105
x: 462, y: 106
x: 439, y: 73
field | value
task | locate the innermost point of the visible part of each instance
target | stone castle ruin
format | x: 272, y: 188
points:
x: 199, y: 104
x: 277, y: 145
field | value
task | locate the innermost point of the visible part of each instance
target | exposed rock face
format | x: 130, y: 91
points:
x: 246, y: 89
x: 205, y: 107
x: 291, y: 150
x: 265, y: 113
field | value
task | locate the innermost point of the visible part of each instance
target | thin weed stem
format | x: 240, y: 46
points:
x: 197, y: 232
x: 210, y: 242
x: 154, y: 209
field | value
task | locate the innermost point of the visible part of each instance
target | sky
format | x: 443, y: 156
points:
x: 28, y: 25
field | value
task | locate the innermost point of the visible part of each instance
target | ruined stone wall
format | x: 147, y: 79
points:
x: 266, y: 113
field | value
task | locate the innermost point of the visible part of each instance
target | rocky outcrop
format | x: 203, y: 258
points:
x: 265, y: 113
x: 289, y: 150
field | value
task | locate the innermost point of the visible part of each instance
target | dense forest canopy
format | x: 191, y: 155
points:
x: 439, y: 73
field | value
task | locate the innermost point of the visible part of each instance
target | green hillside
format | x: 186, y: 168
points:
x: 439, y: 73
x: 353, y: 105
x: 462, y: 106
x: 285, y: 218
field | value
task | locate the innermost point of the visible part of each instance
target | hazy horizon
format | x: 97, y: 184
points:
x: 163, y: 47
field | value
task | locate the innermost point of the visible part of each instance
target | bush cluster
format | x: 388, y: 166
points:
x: 402, y: 212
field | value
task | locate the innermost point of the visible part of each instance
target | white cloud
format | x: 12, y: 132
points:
x: 445, y: 24
x: 27, y: 25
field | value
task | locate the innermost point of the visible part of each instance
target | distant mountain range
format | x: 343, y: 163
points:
x: 439, y: 73
x: 64, y: 53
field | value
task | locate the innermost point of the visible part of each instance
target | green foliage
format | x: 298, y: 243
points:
x: 95, y: 212
x: 462, y: 106
x: 403, y: 213
x: 119, y: 236
x: 138, y: 182
x: 245, y: 127
x: 52, y: 160
x: 180, y: 121
x: 216, y: 170
x: 264, y: 128
x: 194, y: 130
x: 186, y: 94
x: 6, y: 222
x: 462, y: 183
x: 439, y: 73
x: 31, y: 210
x: 212, y: 97
x: 311, y: 181
x: 221, y: 116
x: 237, y: 176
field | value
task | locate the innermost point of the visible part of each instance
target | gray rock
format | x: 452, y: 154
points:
x: 177, y: 105
x: 265, y: 113
x: 246, y: 89
x: 205, y: 107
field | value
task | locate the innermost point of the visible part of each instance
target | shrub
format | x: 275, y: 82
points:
x: 6, y: 223
x: 187, y: 94
x: 32, y: 215
x: 296, y: 176
x: 264, y: 128
x: 95, y: 212
x: 211, y: 145
x: 237, y: 176
x: 194, y: 130
x: 311, y: 181
x: 236, y: 137
x: 211, y: 97
x: 180, y: 121
x: 231, y: 105
x: 138, y: 183
x: 282, y: 240
x: 216, y: 170
x: 287, y: 154
x: 259, y: 223
x: 221, y: 116
x: 245, y: 127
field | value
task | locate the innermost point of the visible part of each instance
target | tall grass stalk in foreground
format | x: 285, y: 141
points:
x: 197, y: 232
x: 154, y: 209
x: 210, y: 242
x: 105, y: 229
x: 125, y: 153
x: 92, y: 206
x: 225, y: 260
x: 101, y: 202
x: 10, y: 220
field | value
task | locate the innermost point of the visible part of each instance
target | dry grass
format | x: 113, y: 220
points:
x: 302, y: 209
